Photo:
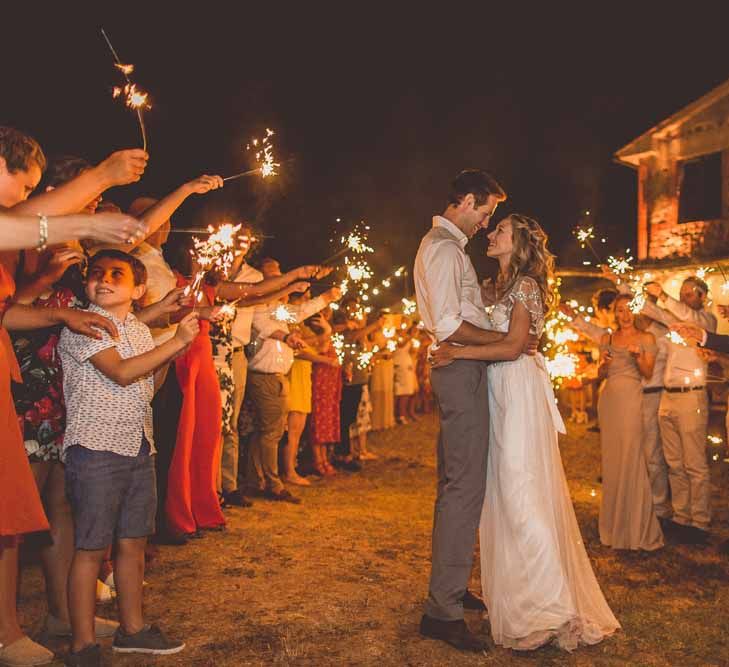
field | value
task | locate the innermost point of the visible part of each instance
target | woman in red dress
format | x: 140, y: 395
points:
x: 192, y: 499
x: 326, y: 395
x: 21, y: 510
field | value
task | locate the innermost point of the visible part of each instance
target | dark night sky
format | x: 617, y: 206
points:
x: 376, y: 109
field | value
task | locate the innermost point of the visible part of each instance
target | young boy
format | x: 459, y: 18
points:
x: 108, y: 448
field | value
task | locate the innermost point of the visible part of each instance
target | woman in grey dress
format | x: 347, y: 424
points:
x: 627, y: 517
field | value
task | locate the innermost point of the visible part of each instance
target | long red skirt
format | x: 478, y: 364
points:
x: 192, y: 501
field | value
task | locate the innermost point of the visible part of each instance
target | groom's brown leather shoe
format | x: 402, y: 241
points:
x: 472, y: 602
x: 455, y: 633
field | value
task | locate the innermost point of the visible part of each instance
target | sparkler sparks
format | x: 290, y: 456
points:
x: 637, y: 303
x: 282, y: 313
x: 359, y: 272
x: 620, y: 265
x: 338, y: 345
x: 364, y: 359
x: 228, y: 310
x: 562, y: 366
x: 409, y: 306
x: 134, y: 98
x: 216, y: 252
x: 676, y: 338
x: 584, y: 237
x: 263, y: 154
x: 703, y: 271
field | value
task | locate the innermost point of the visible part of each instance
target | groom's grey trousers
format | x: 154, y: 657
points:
x: 462, y: 392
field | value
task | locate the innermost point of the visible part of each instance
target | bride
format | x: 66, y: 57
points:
x: 537, y: 580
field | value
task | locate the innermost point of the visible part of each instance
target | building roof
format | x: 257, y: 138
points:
x: 632, y: 153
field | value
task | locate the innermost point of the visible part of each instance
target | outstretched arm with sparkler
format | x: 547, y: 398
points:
x: 120, y: 168
x: 266, y: 290
x: 22, y: 231
x: 695, y: 335
x: 682, y: 311
x: 155, y: 216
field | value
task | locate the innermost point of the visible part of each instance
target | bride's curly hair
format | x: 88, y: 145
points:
x: 530, y: 257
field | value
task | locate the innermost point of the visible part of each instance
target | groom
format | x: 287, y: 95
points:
x: 450, y: 304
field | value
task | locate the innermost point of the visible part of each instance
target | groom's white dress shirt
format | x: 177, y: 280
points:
x: 446, y: 284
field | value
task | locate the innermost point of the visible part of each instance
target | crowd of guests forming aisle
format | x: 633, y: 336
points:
x: 653, y: 411
x: 104, y: 361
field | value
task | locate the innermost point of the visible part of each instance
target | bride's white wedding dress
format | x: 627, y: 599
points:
x: 537, y: 579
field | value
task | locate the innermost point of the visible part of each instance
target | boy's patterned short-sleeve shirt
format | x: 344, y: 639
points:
x: 100, y: 414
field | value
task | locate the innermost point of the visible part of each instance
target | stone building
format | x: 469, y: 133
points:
x: 683, y: 182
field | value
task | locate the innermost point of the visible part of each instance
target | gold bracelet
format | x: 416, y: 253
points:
x: 42, y: 232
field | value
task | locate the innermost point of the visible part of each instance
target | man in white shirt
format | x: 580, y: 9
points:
x: 272, y: 356
x: 450, y: 304
x: 684, y: 410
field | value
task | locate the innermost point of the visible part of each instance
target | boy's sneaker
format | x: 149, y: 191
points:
x: 150, y: 639
x: 86, y: 657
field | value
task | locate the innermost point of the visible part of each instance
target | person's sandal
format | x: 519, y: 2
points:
x: 25, y: 653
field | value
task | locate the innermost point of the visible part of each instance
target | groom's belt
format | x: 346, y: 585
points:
x: 652, y: 390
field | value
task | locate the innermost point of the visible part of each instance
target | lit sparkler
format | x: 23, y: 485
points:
x: 620, y: 265
x: 263, y: 153
x: 359, y: 271
x: 134, y: 98
x: 228, y: 310
x: 703, y: 271
x: 637, y: 303
x: 409, y: 306
x: 562, y: 366
x: 216, y: 252
x: 282, y: 313
x: 364, y: 359
x: 338, y: 345
x: 584, y: 237
x: 676, y: 338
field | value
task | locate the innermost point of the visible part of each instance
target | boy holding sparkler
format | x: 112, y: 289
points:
x: 108, y: 449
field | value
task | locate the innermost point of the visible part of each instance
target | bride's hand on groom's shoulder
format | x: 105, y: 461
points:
x: 442, y: 355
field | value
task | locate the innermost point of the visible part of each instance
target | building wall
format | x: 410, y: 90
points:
x: 663, y: 236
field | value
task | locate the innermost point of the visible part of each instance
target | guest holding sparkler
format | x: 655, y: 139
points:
x: 246, y: 289
x: 268, y: 386
x: 684, y: 410
x: 382, y: 384
x: 627, y: 516
x: 21, y: 511
x: 192, y: 501
x: 356, y: 368
x: 300, y: 386
x: 326, y: 394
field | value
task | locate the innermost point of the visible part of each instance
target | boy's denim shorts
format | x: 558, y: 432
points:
x: 112, y: 496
